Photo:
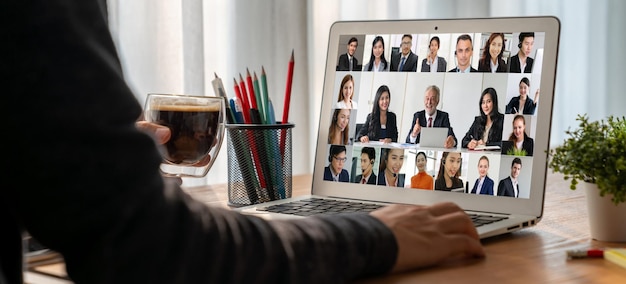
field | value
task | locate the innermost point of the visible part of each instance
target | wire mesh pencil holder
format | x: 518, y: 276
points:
x: 259, y: 163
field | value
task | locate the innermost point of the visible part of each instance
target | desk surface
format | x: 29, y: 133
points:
x: 536, y: 254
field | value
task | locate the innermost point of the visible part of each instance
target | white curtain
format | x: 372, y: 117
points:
x: 178, y: 45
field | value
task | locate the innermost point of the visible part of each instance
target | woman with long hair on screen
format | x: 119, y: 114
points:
x: 391, y: 162
x: 491, y: 59
x: 422, y: 180
x: 449, y: 172
x: 346, y: 93
x: 520, y: 139
x: 378, y: 62
x: 487, y: 127
x: 380, y: 124
x: 339, y: 127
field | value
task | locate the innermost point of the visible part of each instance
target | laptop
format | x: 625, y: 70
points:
x: 433, y: 137
x: 460, y: 97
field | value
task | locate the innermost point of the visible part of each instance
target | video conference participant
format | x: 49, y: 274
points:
x: 432, y: 62
x: 510, y: 185
x: 378, y: 62
x: 431, y: 117
x: 336, y: 158
x: 406, y: 60
x: 391, y: 161
x: 449, y: 172
x: 380, y: 124
x: 522, y: 60
x: 491, y: 60
x: 422, y: 180
x: 487, y: 127
x: 520, y: 139
x: 522, y: 104
x: 484, y: 184
x: 346, y: 93
x: 347, y: 61
x: 338, y: 132
x: 463, y: 55
x: 368, y: 157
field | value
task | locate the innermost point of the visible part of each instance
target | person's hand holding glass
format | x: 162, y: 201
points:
x: 196, y: 131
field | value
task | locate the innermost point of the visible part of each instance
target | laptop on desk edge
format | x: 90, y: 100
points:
x: 460, y: 94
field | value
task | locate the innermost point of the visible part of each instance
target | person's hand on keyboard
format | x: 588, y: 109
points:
x: 428, y: 235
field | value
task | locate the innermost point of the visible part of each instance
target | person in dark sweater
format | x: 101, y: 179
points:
x: 98, y: 198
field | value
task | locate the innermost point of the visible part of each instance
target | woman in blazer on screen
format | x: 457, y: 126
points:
x: 380, y: 124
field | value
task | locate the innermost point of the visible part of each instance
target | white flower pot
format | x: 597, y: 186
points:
x: 607, y: 221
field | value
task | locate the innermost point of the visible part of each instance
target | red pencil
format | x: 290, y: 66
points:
x: 244, y: 105
x: 283, y: 133
x: 288, y: 89
x: 253, y: 103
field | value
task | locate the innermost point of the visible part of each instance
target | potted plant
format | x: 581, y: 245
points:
x: 595, y: 154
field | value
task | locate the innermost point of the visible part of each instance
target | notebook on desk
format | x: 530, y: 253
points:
x: 393, y: 164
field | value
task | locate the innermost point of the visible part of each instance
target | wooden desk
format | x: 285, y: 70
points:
x: 532, y: 255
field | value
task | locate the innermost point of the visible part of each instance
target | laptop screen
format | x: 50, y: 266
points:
x: 488, y: 82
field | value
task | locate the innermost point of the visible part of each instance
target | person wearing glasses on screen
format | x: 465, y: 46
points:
x: 432, y: 62
x: 406, y: 60
x: 391, y: 161
x: 347, y: 61
x: 378, y: 62
x: 487, y: 127
x: 338, y: 132
x: 380, y: 124
x: 367, y: 176
x: 491, y: 60
x: 336, y: 158
x: 431, y: 117
x: 463, y: 55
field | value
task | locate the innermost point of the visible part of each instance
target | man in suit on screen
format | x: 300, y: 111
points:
x: 509, y: 186
x: 406, y: 60
x: 431, y: 117
x: 347, y: 61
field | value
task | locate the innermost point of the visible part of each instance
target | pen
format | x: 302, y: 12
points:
x: 581, y: 253
x: 218, y: 88
x: 236, y: 106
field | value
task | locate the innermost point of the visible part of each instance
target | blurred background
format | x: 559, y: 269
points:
x: 176, y: 46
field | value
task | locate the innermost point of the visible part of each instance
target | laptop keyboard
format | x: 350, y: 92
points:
x: 319, y: 206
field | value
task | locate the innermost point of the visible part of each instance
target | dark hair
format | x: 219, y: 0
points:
x: 353, y: 39
x: 463, y: 37
x: 494, y: 98
x: 333, y: 127
x: 384, y: 155
x: 435, y: 38
x: 516, y: 161
x: 420, y: 153
x: 371, y: 152
x: 345, y: 80
x: 336, y: 149
x: 408, y: 35
x: 486, y: 57
x: 442, y: 166
x: 522, y: 36
x: 525, y: 81
x: 382, y: 56
x: 375, y: 115
x: 518, y: 116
